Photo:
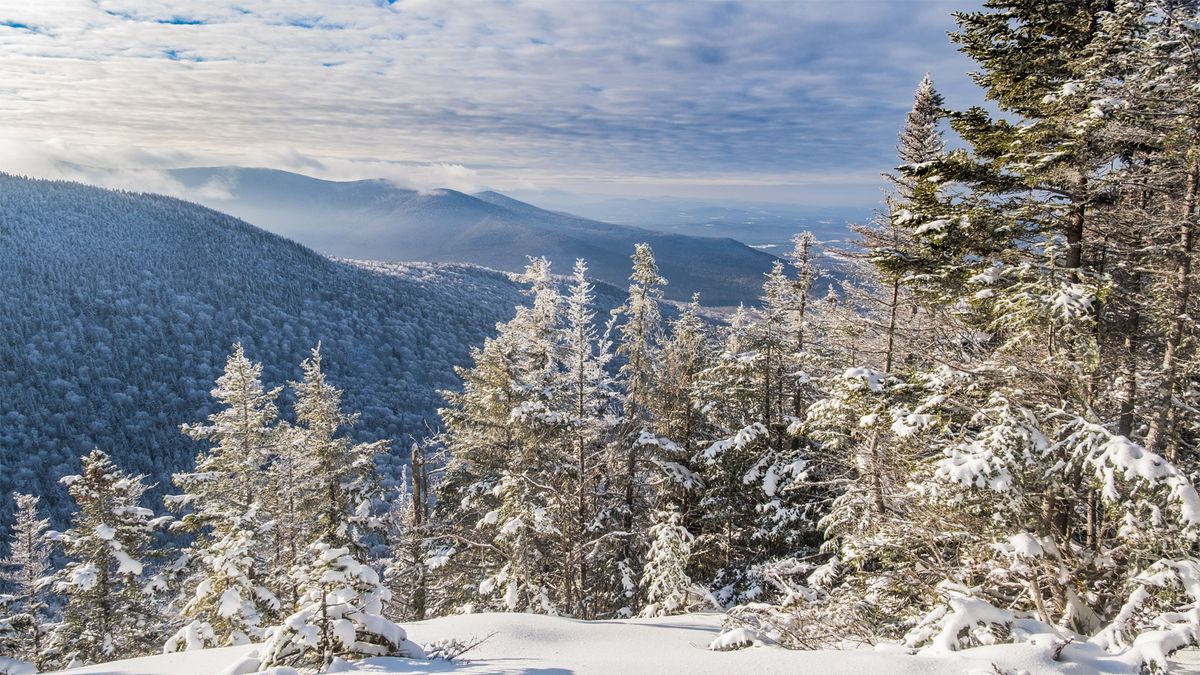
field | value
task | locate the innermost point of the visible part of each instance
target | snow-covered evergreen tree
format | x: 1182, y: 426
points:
x: 665, y: 577
x: 108, y: 612
x: 225, y: 596
x: 342, y: 475
x: 680, y: 426
x: 340, y: 615
x: 23, y: 610
x: 640, y: 333
x: 409, y: 532
x: 920, y: 139
x: 288, y: 511
x: 224, y: 606
x: 502, y: 434
x: 586, y: 395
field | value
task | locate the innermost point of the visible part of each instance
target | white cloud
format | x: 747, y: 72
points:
x: 472, y: 92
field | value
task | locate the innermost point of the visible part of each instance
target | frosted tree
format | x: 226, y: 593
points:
x: 885, y: 256
x: 755, y: 394
x: 503, y: 435
x: 225, y: 597
x: 677, y: 410
x: 225, y: 605
x: 408, y: 533
x: 342, y: 474
x: 586, y: 396
x: 288, y: 509
x: 107, y: 611
x: 665, y: 578
x: 638, y: 344
x: 340, y: 615
x: 24, y: 571
x: 920, y: 139
x: 525, y: 529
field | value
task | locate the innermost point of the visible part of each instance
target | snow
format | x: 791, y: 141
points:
x: 872, y: 378
x: 525, y: 644
x: 125, y: 564
x: 84, y: 577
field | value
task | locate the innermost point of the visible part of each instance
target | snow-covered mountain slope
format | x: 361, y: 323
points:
x: 377, y: 220
x: 528, y: 644
x: 119, y: 310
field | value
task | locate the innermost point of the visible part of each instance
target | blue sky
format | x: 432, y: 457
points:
x: 792, y: 100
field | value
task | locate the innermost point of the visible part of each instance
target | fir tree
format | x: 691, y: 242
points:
x: 340, y: 616
x: 638, y: 345
x: 343, y: 478
x: 920, y: 139
x: 502, y: 428
x: 665, y: 577
x: 225, y: 598
x: 107, y: 612
x: 24, y: 572
x: 587, y: 397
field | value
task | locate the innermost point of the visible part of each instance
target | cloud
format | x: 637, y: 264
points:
x: 478, y: 92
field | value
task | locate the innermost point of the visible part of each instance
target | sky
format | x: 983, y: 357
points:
x: 795, y: 101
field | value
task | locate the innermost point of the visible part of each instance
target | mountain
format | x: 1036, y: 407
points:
x: 120, y: 309
x: 766, y: 226
x: 377, y: 220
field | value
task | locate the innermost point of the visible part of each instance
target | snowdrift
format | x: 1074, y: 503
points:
x: 528, y: 644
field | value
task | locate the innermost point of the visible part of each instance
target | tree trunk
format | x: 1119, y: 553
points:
x: 1156, y: 437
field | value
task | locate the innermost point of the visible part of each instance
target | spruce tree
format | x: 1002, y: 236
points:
x: 638, y: 345
x: 340, y: 616
x: 225, y: 597
x: 587, y: 397
x: 665, y: 577
x: 502, y: 430
x: 107, y: 611
x: 920, y: 140
x: 343, y: 475
x: 24, y: 572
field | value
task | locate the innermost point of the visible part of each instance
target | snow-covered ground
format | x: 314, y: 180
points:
x: 528, y: 644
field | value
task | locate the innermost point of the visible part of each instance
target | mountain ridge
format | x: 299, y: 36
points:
x: 375, y: 219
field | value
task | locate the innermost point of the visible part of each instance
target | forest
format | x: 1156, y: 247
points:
x: 985, y: 429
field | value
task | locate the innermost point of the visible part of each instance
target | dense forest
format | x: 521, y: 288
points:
x: 120, y: 308
x: 987, y: 432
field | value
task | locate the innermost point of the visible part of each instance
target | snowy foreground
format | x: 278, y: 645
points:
x: 529, y: 644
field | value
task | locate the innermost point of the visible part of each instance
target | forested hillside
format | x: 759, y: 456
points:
x: 120, y: 309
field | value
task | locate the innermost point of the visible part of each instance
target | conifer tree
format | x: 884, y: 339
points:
x: 638, y: 344
x: 288, y: 510
x: 225, y: 597
x: 677, y: 411
x: 107, y: 611
x: 920, y: 140
x: 340, y: 616
x: 502, y: 429
x: 343, y: 477
x: 665, y: 576
x: 587, y: 397
x: 24, y: 571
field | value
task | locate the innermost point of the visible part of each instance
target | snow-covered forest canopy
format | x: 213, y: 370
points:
x: 985, y: 434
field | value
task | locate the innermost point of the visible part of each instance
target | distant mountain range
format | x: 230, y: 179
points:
x: 120, y: 308
x: 376, y: 220
x: 764, y: 225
